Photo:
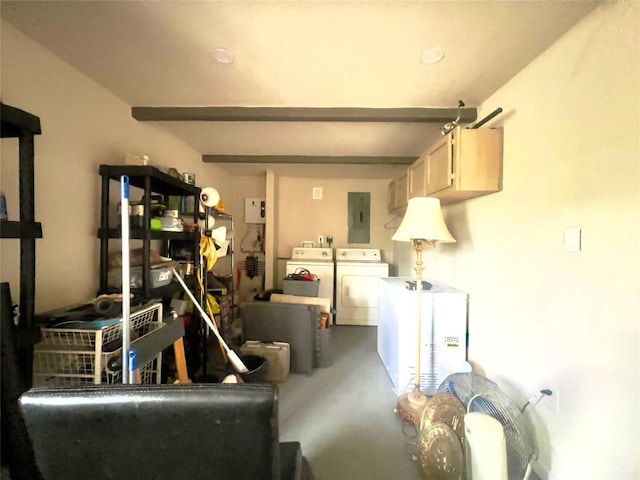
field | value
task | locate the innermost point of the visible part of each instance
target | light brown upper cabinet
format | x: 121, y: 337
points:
x: 417, y: 177
x: 466, y: 163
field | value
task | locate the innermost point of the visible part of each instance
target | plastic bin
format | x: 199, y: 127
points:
x: 159, y: 276
x: 275, y: 353
x: 301, y: 288
x: 72, y: 356
x: 256, y: 367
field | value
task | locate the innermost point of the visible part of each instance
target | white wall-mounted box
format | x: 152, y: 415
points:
x: 255, y: 210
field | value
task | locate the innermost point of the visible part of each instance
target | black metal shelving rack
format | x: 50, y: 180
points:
x: 150, y: 180
x: 18, y: 339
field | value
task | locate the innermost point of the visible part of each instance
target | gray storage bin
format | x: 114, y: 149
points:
x: 301, y: 288
x: 159, y: 276
x: 324, y: 354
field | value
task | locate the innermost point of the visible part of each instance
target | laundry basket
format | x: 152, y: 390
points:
x: 79, y: 353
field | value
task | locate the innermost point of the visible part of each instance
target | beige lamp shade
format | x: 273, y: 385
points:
x: 423, y: 220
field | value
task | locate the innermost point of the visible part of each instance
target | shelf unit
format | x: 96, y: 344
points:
x: 24, y: 126
x: 18, y: 340
x: 151, y: 180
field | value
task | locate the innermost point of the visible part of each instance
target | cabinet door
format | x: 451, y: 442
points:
x: 402, y: 190
x: 418, y: 178
x: 440, y: 167
x: 478, y: 159
x: 391, y: 196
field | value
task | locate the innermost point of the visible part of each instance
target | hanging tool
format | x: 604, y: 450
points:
x: 252, y: 266
x: 258, y: 243
x: 448, y: 127
x: 233, y: 357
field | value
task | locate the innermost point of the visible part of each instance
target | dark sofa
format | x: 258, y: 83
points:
x: 172, y: 432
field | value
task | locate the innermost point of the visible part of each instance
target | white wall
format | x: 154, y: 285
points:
x: 83, y: 126
x: 540, y: 316
x: 301, y: 218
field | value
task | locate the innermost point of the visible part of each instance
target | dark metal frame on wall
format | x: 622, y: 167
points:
x: 18, y: 338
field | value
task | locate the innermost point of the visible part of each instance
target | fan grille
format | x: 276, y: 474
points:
x: 479, y: 394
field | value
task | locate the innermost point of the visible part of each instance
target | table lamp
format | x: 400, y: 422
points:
x: 422, y: 225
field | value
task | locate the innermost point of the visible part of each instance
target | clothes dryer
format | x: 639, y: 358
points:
x: 358, y: 271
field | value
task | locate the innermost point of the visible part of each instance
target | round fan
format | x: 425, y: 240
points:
x: 479, y: 394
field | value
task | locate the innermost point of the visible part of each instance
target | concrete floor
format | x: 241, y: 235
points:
x: 343, y: 414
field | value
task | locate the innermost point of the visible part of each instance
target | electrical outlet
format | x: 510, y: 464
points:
x: 320, y: 240
x: 552, y: 402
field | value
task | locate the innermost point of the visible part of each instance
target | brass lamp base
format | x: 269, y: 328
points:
x: 411, y: 405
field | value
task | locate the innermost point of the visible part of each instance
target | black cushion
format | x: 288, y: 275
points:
x: 207, y: 431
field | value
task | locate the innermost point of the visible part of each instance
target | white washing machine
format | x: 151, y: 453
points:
x: 318, y: 261
x: 358, y: 271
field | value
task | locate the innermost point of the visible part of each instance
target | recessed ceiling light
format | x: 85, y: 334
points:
x: 432, y: 56
x: 222, y: 55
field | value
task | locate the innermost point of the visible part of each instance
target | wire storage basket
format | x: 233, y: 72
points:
x: 73, y: 356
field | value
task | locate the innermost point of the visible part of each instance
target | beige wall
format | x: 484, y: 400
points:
x: 301, y: 218
x: 540, y: 316
x: 83, y: 126
x: 297, y: 217
x: 246, y: 234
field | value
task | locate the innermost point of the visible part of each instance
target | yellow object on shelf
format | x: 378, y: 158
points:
x: 208, y: 251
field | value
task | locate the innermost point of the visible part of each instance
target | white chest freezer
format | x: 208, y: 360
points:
x: 444, y: 333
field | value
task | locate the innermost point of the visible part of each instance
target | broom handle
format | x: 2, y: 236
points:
x: 231, y: 354
x: 126, y: 278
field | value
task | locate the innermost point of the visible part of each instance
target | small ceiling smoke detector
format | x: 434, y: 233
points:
x: 432, y: 56
x: 222, y: 55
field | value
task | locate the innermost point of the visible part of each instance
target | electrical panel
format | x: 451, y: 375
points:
x: 255, y: 210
